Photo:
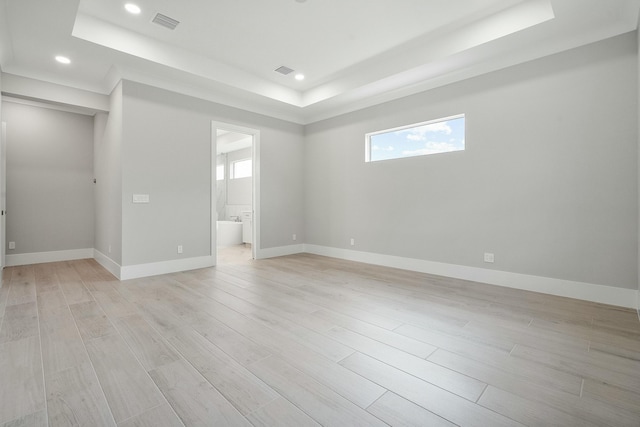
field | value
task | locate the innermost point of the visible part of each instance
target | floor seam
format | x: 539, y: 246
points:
x: 44, y: 382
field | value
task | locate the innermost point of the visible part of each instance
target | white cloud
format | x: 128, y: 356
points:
x: 420, y: 133
x: 416, y: 137
x: 432, y: 147
x: 442, y: 127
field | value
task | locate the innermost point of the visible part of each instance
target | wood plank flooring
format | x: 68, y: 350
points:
x: 306, y: 341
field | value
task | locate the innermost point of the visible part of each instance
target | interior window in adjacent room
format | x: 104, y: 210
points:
x: 241, y: 169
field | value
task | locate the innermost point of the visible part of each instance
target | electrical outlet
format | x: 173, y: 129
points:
x: 109, y: 248
x: 353, y: 241
x: 294, y: 237
x: 12, y: 245
x: 488, y: 257
x: 179, y: 249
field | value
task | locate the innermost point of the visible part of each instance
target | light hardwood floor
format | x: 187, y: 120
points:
x: 306, y: 341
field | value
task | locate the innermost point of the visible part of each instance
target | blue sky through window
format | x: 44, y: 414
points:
x: 437, y: 137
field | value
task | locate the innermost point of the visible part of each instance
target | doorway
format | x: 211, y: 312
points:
x: 235, y: 193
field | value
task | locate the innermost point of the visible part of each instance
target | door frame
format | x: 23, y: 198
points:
x: 3, y: 197
x: 255, y: 184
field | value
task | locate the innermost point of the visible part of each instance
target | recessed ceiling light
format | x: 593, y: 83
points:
x: 132, y: 8
x: 299, y: 76
x: 63, y: 59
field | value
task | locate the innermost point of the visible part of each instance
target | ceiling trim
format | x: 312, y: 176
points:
x: 67, y: 108
x: 428, y: 52
x: 38, y: 90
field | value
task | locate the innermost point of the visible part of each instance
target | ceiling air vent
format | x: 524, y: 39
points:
x: 165, y: 21
x: 284, y: 70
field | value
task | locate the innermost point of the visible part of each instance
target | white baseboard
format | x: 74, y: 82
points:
x: 566, y: 288
x: 279, y: 251
x: 53, y: 256
x: 165, y: 267
x: 621, y: 297
x: 110, y: 265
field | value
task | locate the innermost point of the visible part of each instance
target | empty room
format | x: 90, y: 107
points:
x: 319, y: 213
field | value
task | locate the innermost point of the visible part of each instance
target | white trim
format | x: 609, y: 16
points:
x: 579, y: 290
x: 281, y: 251
x: 110, y: 265
x: 53, y: 256
x: 3, y: 195
x: 213, y: 216
x: 255, y: 217
x: 165, y: 267
x: 16, y: 86
x: 67, y: 108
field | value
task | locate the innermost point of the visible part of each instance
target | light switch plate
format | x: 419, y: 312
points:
x: 140, y: 198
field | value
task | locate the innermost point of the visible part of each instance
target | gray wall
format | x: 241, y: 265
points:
x: 108, y: 172
x: 548, y: 181
x: 166, y: 153
x: 49, y: 179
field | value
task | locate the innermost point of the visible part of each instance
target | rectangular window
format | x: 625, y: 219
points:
x: 241, y: 169
x: 220, y: 172
x: 432, y: 137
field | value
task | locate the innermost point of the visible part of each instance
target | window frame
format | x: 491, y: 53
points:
x: 367, y: 137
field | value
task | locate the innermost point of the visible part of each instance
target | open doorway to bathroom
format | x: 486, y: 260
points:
x: 235, y: 193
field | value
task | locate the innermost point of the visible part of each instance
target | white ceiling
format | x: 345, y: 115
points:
x: 354, y: 53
